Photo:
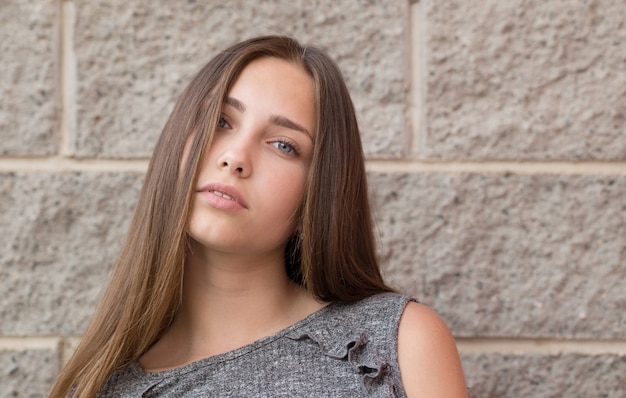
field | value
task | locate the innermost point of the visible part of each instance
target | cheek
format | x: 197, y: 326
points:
x: 188, y: 147
x: 192, y: 217
x: 289, y: 197
x: 289, y: 181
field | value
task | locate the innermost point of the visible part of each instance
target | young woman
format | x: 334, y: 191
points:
x: 249, y: 268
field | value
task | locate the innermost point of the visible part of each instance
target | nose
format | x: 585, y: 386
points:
x: 235, y: 160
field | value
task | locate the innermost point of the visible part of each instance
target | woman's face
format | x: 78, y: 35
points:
x: 251, y: 179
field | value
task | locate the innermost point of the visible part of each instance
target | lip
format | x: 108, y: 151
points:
x: 222, y: 196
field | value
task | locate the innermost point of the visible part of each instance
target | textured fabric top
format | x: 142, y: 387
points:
x: 342, y: 350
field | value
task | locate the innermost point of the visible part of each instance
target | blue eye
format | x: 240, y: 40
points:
x: 285, y: 147
x: 222, y: 123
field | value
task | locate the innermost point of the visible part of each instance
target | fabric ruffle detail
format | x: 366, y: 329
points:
x: 371, y: 364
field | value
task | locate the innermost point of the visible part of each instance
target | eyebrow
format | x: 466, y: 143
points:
x: 290, y: 124
x: 235, y: 103
x: 274, y: 119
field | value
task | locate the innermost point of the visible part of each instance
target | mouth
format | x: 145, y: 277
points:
x: 223, y: 194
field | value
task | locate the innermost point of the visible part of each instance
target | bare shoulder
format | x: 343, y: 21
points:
x: 427, y: 355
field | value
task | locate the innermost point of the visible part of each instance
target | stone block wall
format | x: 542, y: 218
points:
x: 495, y: 134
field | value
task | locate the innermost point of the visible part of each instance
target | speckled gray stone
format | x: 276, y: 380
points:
x: 59, y: 234
x: 28, y: 373
x: 27, y: 69
x: 525, y: 79
x: 135, y: 58
x: 509, y: 255
x: 545, y: 376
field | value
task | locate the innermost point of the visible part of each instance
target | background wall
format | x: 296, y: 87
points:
x: 496, y: 141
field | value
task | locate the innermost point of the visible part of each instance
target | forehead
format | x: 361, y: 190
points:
x: 277, y: 87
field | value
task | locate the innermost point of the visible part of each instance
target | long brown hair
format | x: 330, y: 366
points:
x: 332, y: 254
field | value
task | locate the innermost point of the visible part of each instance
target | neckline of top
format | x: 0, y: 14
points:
x: 232, y: 354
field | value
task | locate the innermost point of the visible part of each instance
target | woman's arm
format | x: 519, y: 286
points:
x: 427, y: 355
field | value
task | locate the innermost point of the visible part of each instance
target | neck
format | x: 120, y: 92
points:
x: 227, y: 288
x: 230, y: 301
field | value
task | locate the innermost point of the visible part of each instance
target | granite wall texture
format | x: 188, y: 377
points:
x: 500, y: 254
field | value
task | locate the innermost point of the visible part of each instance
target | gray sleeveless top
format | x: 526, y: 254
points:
x: 342, y: 350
